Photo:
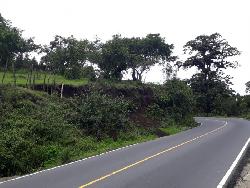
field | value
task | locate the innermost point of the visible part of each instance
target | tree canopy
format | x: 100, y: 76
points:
x: 210, y: 54
x: 13, y: 46
x: 66, y: 54
x: 138, y: 54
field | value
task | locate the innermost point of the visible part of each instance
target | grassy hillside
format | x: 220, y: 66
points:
x: 22, y: 79
x: 39, y: 131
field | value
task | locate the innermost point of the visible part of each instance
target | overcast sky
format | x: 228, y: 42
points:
x: 177, y: 20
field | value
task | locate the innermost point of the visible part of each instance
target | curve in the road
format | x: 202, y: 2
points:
x: 195, y: 158
x: 150, y: 157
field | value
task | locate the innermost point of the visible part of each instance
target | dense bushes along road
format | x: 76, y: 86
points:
x: 39, y: 131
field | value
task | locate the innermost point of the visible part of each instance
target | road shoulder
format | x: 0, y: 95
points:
x: 243, y: 180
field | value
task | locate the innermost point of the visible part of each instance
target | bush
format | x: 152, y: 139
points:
x: 102, y: 116
x: 89, y: 72
x: 73, y: 73
x: 33, y: 127
x: 173, y: 100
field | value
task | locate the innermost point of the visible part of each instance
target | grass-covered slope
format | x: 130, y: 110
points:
x: 23, y: 78
x: 38, y: 130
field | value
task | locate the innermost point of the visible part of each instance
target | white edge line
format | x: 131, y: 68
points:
x: 232, y: 167
x: 77, y: 161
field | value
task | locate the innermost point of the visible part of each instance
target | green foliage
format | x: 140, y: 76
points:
x: 66, y: 56
x: 139, y: 54
x: 173, y: 104
x: 174, y: 99
x: 89, y: 73
x: 147, y: 52
x: 210, y: 94
x: 73, y: 73
x: 210, y: 55
x: 245, y: 106
x: 102, y: 116
x: 13, y: 47
x: 29, y: 128
x: 170, y: 130
x: 114, y: 57
x: 37, y: 130
x: 22, y: 76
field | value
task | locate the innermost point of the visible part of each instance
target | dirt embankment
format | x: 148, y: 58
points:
x: 241, y: 177
x: 140, y: 96
x: 244, y: 180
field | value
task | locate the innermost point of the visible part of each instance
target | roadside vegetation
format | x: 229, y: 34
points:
x: 76, y: 100
x: 39, y: 78
x: 39, y: 130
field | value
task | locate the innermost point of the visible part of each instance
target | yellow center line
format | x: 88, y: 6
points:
x: 147, y: 158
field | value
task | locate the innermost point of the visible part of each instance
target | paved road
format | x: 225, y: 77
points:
x: 197, y: 158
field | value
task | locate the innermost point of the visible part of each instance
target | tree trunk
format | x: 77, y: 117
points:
x: 33, y: 82
x: 48, y: 84
x: 139, y: 76
x: 133, y: 74
x: 31, y: 74
x: 5, y: 70
x: 62, y: 91
x: 27, y: 80
x: 44, y: 82
x: 14, y: 73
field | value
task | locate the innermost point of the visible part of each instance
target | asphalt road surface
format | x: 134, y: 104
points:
x: 196, y: 158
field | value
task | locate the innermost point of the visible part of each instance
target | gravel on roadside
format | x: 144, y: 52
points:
x: 243, y: 181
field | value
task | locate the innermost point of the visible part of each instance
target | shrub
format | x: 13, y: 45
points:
x: 102, y: 116
x: 73, y: 73
x: 89, y: 72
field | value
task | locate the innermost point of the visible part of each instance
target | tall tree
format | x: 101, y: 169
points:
x: 13, y: 46
x: 66, y: 56
x: 210, y: 54
x: 114, y: 58
x: 138, y: 54
x: 147, y: 52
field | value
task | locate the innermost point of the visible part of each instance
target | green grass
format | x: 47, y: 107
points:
x: 97, y: 148
x: 173, y: 129
x: 21, y: 79
x: 247, y: 116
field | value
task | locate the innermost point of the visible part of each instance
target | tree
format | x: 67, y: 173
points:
x: 210, y: 55
x: 147, y: 52
x: 248, y: 87
x: 173, y: 100
x: 180, y: 97
x: 114, y: 58
x: 89, y: 72
x: 138, y: 54
x: 66, y: 56
x: 13, y: 46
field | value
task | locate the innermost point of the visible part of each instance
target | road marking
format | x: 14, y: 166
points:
x: 232, y: 167
x: 73, y: 162
x: 150, y: 157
